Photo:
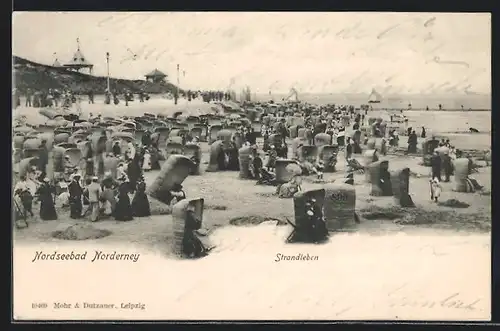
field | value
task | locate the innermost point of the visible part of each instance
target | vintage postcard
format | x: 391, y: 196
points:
x: 251, y: 166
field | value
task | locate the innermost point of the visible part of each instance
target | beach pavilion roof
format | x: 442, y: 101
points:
x: 156, y: 73
x: 78, y: 60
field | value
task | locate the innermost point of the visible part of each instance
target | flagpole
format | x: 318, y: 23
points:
x: 178, y: 81
x: 185, y: 96
x: 107, y: 64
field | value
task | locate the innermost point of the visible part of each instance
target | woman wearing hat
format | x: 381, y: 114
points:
x: 134, y: 172
x: 63, y: 196
x: 146, y: 162
x: 130, y: 153
x: 140, y: 202
x: 435, y: 189
x: 271, y: 161
x: 123, y: 209
x: 94, y: 195
x: 45, y: 196
x: 89, y: 168
x: 287, y: 190
x: 75, y: 197
x: 117, y: 151
x: 255, y: 163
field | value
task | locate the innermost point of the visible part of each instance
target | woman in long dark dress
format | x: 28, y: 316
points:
x: 123, y: 209
x: 75, y: 197
x: 140, y: 203
x: 134, y: 171
x: 47, y: 207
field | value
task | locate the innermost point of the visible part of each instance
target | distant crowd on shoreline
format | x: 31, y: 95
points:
x: 55, y: 98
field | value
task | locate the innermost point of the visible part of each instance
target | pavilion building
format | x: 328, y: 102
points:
x: 79, y: 62
x: 156, y: 76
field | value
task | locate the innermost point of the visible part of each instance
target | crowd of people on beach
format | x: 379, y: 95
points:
x: 45, y: 98
x: 77, y: 186
x: 122, y: 194
x: 55, y: 98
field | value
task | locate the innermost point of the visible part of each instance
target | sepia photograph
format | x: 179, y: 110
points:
x: 251, y: 166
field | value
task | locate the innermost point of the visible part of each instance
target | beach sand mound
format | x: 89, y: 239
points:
x: 382, y: 215
x: 216, y: 207
x: 425, y: 216
x: 254, y: 220
x: 81, y: 231
x: 453, y: 203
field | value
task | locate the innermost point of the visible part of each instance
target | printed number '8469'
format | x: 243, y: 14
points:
x: 39, y: 305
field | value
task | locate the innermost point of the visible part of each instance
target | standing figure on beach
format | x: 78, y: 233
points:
x: 29, y: 95
x: 123, y: 209
x: 89, y: 168
x: 43, y: 157
x: 75, y: 197
x: 133, y: 172
x: 435, y: 189
x: 423, y: 134
x: 130, y: 153
x: 91, y: 96
x: 146, y: 162
x: 447, y: 165
x: 348, y: 149
x: 412, y: 142
x: 146, y: 139
x: 94, y: 195
x: 45, y: 196
x: 271, y: 161
x: 255, y: 163
x: 24, y: 194
x: 436, y: 165
x: 117, y: 151
x: 140, y: 202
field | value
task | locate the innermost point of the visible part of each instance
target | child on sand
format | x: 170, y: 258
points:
x: 435, y: 189
x: 146, y: 164
x: 271, y: 161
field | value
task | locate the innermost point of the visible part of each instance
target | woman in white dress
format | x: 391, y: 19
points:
x: 146, y: 164
x: 121, y: 171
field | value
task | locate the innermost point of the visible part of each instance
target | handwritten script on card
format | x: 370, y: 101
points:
x: 417, y: 49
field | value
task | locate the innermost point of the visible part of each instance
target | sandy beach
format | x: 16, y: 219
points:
x: 436, y: 268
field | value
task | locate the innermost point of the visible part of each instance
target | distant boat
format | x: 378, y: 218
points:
x: 293, y: 96
x: 374, y: 97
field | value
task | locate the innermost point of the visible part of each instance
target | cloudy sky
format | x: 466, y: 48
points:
x: 313, y: 52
